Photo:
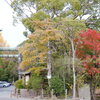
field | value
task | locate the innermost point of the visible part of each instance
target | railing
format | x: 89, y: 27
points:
x: 8, y: 49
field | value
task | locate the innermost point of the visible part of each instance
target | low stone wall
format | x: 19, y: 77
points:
x: 26, y: 93
x: 29, y: 93
x: 37, y: 95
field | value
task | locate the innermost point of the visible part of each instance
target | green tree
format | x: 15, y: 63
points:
x: 94, y: 20
x: 54, y: 8
x: 8, y: 70
x: 69, y: 29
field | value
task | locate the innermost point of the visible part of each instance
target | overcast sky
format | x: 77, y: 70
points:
x: 13, y: 35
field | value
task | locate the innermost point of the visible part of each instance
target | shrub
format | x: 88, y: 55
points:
x: 35, y: 82
x: 19, y: 84
x: 57, y: 85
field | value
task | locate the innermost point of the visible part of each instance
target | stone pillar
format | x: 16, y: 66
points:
x: 66, y: 94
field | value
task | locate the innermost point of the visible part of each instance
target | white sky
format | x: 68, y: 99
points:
x: 12, y: 34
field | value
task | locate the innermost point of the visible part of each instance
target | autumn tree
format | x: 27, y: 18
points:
x: 8, y: 68
x: 38, y: 50
x: 88, y: 50
x: 38, y: 11
x: 45, y: 32
x: 67, y: 29
x: 2, y: 41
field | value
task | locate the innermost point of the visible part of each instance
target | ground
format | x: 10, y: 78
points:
x: 5, y: 94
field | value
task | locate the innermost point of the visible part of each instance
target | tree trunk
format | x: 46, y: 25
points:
x: 49, y: 63
x: 64, y: 80
x: 92, y: 89
x: 73, y: 65
x: 77, y: 90
x: 69, y: 63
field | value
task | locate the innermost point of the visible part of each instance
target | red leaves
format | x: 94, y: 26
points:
x: 92, y: 71
x: 90, y: 35
x: 88, y: 49
x: 1, y: 66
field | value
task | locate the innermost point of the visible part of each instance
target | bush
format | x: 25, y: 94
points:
x: 35, y: 82
x: 57, y: 85
x: 19, y: 84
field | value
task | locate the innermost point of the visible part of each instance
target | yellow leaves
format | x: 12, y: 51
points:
x: 53, y: 34
x: 33, y: 52
x: 35, y: 49
x: 42, y: 56
x: 36, y: 70
x: 45, y: 24
x: 26, y: 63
x: 25, y: 53
x: 43, y: 36
x: 2, y: 42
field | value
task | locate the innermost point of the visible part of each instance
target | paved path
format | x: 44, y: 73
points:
x: 5, y: 94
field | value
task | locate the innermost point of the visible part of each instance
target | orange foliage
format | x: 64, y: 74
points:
x: 2, y: 41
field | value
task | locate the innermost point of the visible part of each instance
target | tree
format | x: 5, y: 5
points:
x: 88, y: 50
x: 70, y: 28
x: 55, y: 10
x: 35, y: 50
x: 21, y: 7
x: 94, y: 19
x: 8, y: 70
x: 59, y: 33
x: 2, y: 41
